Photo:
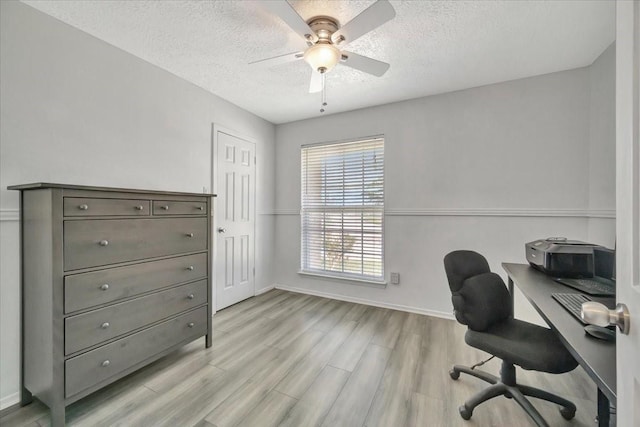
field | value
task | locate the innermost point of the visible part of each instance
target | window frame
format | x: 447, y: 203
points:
x: 378, y: 209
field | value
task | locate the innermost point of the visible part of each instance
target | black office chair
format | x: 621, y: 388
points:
x: 482, y: 302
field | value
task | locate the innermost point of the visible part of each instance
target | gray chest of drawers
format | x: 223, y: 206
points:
x: 112, y: 279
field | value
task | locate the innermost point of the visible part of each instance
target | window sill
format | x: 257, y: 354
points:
x: 354, y: 280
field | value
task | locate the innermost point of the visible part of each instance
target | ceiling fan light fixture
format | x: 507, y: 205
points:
x: 322, y: 57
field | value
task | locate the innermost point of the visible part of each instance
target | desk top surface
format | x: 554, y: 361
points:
x: 597, y: 357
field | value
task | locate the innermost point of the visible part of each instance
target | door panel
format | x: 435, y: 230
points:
x: 628, y: 207
x: 228, y: 263
x: 244, y: 258
x: 229, y: 193
x: 236, y: 225
x: 244, y: 200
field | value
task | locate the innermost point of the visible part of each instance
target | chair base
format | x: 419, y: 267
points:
x: 506, y: 386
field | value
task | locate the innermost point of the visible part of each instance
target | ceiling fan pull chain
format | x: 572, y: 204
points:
x: 324, y: 92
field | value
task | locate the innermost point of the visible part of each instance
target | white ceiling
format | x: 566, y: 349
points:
x: 432, y: 46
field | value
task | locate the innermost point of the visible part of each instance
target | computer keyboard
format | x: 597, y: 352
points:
x: 572, y: 303
x: 589, y: 286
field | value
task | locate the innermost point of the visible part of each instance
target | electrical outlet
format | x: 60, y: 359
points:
x: 395, y: 278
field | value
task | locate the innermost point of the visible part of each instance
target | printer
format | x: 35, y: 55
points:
x: 559, y: 257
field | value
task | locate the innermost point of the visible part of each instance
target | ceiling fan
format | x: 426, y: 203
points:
x: 325, y: 38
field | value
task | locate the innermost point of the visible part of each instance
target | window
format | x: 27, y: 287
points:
x: 343, y: 209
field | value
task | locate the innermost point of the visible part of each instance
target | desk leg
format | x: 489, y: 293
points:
x: 511, y: 294
x: 603, y: 410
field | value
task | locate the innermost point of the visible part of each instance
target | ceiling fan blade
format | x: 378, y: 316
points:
x: 280, y: 59
x: 364, y: 63
x: 316, y: 82
x: 369, y: 19
x: 288, y: 14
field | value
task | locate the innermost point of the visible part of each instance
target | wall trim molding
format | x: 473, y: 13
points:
x: 363, y: 301
x: 508, y: 212
x: 513, y: 212
x: 285, y: 212
x: 9, y: 401
x: 9, y: 214
x: 14, y: 214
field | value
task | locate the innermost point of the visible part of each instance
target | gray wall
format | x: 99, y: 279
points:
x: 77, y: 110
x: 488, y: 169
x: 602, y: 136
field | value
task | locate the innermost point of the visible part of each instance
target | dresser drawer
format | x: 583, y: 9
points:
x: 93, y: 367
x: 91, y: 243
x: 104, y: 286
x: 83, y: 206
x: 94, y: 327
x: 163, y: 207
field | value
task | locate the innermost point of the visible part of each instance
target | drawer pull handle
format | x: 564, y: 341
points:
x: 191, y: 324
x: 83, y: 207
x: 104, y: 287
x: 200, y: 208
x: 190, y: 268
x: 165, y: 207
x: 191, y: 296
x: 106, y: 363
x: 105, y: 325
x: 139, y: 208
x: 189, y: 234
x: 104, y: 243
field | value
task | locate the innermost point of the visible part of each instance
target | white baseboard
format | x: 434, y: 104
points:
x: 399, y: 307
x: 265, y: 290
x: 10, y: 400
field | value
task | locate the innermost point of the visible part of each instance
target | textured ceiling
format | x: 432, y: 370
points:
x: 432, y: 46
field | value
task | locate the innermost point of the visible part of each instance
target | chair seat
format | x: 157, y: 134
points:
x: 529, y: 346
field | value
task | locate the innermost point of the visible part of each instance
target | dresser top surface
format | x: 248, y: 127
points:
x: 43, y: 185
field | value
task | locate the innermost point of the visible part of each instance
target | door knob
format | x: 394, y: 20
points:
x: 598, y: 314
x: 221, y: 230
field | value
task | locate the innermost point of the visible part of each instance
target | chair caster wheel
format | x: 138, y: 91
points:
x: 567, y: 413
x: 454, y: 374
x: 465, y: 412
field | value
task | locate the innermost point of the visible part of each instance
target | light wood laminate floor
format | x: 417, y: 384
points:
x: 287, y: 359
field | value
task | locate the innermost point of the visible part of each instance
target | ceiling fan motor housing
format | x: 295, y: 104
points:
x: 324, y: 27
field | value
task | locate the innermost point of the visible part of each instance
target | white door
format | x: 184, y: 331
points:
x: 235, y: 219
x: 628, y: 208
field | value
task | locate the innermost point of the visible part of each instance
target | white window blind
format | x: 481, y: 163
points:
x: 343, y: 209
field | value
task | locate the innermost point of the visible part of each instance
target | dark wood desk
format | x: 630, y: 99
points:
x: 597, y: 357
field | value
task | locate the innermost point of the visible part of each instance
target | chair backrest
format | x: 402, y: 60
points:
x: 480, y: 297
